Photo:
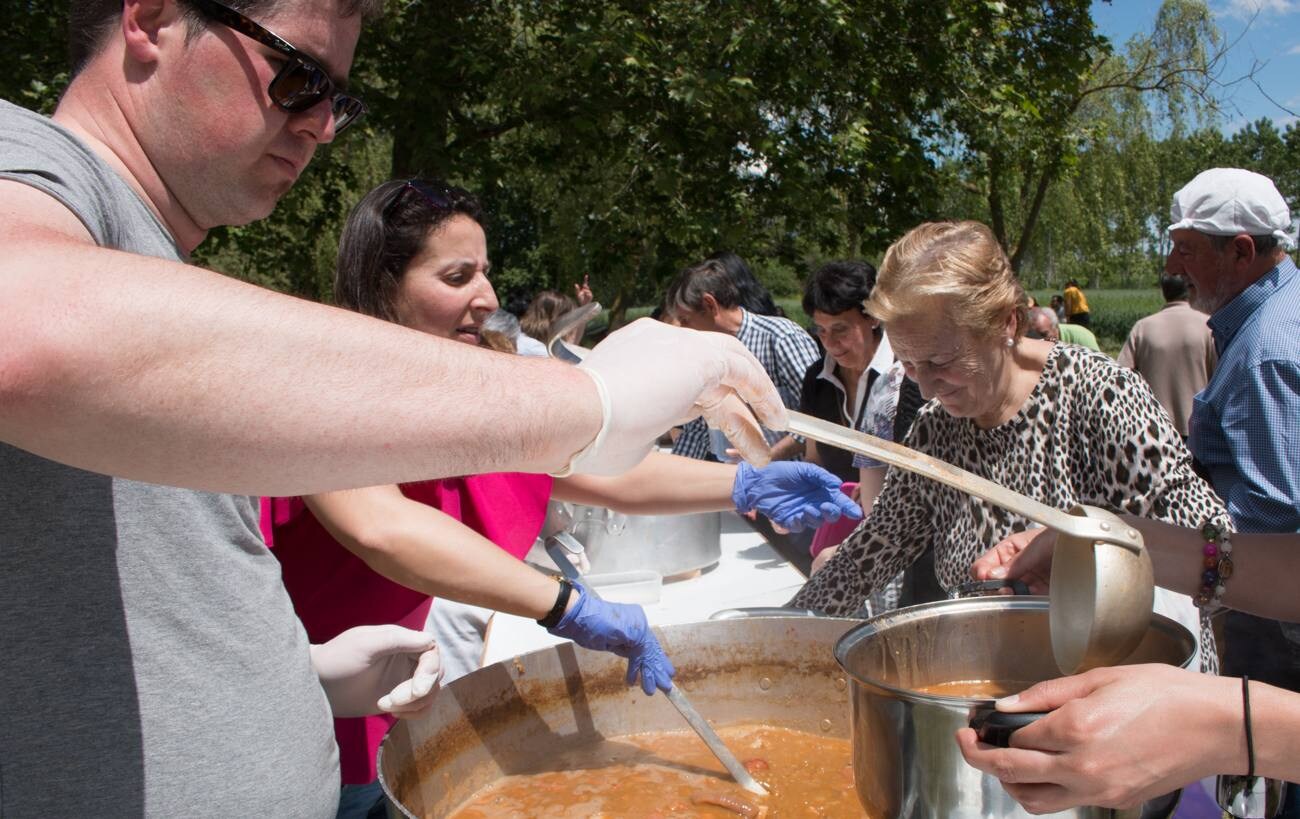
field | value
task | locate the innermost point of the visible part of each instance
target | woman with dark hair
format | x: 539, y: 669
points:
x: 414, y: 252
x: 857, y: 384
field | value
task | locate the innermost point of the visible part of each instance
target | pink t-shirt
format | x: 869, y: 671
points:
x: 333, y: 590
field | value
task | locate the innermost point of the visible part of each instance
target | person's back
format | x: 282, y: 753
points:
x: 182, y: 679
x: 1080, y: 335
x: 1173, y: 350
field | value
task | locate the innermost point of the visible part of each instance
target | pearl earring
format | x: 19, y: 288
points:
x: 1011, y: 342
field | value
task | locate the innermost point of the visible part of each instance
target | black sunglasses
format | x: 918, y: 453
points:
x: 302, y: 83
x: 437, y: 199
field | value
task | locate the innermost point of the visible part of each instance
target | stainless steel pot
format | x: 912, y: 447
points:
x: 668, y: 544
x: 905, y: 761
x: 510, y: 717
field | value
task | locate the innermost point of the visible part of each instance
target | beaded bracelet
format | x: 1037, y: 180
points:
x: 1217, y: 563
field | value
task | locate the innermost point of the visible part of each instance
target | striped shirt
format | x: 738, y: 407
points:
x: 785, y: 350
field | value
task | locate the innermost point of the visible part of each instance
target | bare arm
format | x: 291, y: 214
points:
x: 428, y: 551
x: 870, y: 481
x: 787, y: 449
x: 1263, y: 565
x: 660, y: 484
x: 162, y: 372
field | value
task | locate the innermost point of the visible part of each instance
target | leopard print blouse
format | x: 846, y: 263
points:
x: 1091, y: 432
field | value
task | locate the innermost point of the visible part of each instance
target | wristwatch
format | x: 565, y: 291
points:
x: 553, y: 617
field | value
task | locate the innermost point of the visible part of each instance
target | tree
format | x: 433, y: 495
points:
x: 1031, y: 108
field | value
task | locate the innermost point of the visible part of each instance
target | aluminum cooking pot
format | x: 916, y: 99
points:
x: 671, y: 545
x: 906, y: 762
x: 510, y: 717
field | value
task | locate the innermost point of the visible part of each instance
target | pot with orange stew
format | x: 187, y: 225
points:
x: 557, y: 732
x: 919, y: 674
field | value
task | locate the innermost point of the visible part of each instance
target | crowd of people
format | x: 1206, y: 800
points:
x: 256, y: 499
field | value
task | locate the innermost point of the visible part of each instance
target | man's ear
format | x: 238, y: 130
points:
x: 709, y: 305
x: 1243, y: 250
x: 145, y: 24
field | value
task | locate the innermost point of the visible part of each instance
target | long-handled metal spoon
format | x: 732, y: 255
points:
x: 560, y: 554
x: 557, y: 346
x: 1102, y: 585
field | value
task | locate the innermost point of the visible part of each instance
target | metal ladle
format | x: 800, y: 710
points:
x: 557, y: 346
x: 1102, y: 584
x: 559, y: 546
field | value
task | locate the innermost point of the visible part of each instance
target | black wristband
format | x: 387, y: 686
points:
x: 553, y: 617
x: 1250, y: 739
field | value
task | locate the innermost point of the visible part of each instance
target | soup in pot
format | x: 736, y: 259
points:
x: 975, y: 689
x: 664, y: 775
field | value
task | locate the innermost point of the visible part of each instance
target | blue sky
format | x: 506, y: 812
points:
x: 1272, y: 38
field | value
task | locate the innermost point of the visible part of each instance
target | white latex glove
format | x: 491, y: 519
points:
x: 652, y: 377
x: 371, y: 669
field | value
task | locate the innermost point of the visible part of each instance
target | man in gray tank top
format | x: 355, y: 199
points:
x: 150, y: 663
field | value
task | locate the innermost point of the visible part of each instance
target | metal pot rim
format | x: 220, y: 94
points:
x: 877, y: 624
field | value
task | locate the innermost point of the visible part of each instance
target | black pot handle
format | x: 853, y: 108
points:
x: 996, y: 727
x: 985, y: 588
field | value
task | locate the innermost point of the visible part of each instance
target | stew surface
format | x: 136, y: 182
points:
x: 663, y: 775
x: 975, y: 689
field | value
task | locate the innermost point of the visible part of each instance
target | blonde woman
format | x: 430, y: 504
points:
x: 1053, y: 421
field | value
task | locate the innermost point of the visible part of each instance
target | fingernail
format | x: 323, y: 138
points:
x: 385, y: 703
x: 998, y: 572
x: 1008, y: 701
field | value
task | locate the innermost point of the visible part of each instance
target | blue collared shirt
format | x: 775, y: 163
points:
x: 1245, y: 426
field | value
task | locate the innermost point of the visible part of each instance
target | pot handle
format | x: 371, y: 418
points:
x: 987, y: 588
x: 996, y: 727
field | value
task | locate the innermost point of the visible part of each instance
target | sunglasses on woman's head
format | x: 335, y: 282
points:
x: 302, y: 83
x: 437, y: 199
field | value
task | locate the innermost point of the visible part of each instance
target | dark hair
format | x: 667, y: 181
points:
x: 89, y: 21
x: 1263, y: 244
x: 709, y: 276
x: 542, y: 312
x: 384, y: 232
x: 753, y: 296
x: 1071, y: 282
x: 838, y: 286
x: 1174, y: 287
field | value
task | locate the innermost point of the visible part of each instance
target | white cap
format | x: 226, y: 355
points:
x: 1229, y: 202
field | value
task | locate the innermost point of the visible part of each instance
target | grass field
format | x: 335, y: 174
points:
x: 1113, y: 312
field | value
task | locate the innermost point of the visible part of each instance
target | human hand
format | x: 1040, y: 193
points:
x: 1024, y: 556
x: 621, y: 629
x: 796, y: 495
x: 582, y: 292
x: 1115, y: 738
x: 371, y: 669
x: 651, y: 377
x: 823, y: 557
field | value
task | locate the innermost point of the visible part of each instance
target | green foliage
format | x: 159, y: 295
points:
x: 623, y: 140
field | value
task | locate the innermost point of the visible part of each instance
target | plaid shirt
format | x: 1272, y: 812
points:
x: 1245, y: 426
x: 785, y: 350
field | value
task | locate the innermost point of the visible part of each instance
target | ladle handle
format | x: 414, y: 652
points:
x: 556, y: 346
x: 674, y: 694
x: 824, y: 432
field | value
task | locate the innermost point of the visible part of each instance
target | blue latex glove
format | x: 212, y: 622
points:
x: 622, y: 629
x: 793, y: 494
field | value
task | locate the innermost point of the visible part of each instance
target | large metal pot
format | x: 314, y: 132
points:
x: 671, y: 545
x: 509, y: 717
x: 906, y: 763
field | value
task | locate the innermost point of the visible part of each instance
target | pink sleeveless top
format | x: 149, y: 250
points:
x: 333, y: 590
